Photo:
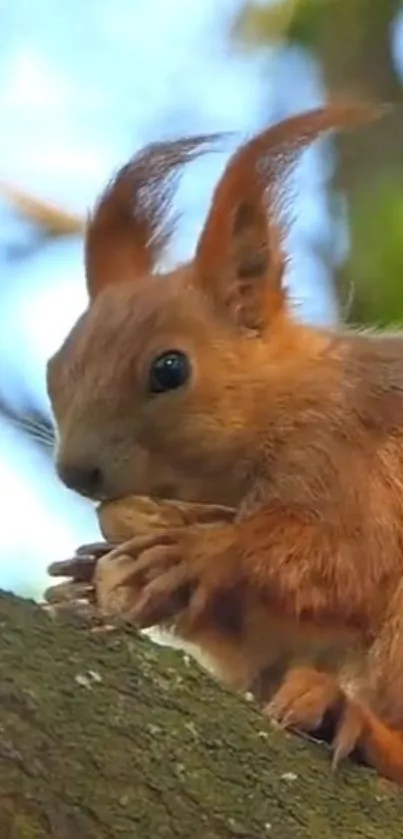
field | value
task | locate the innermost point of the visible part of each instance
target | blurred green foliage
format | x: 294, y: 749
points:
x: 375, y: 266
x: 281, y: 20
x: 352, y: 41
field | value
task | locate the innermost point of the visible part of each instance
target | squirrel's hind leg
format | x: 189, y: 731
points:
x: 307, y: 696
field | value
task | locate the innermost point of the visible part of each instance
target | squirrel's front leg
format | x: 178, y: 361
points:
x: 290, y: 557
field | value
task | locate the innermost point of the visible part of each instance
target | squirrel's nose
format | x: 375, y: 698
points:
x: 85, y: 478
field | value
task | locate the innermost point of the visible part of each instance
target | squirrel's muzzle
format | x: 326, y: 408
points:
x: 85, y: 477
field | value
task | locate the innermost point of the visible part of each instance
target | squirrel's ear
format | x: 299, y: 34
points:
x: 239, y: 258
x: 130, y: 226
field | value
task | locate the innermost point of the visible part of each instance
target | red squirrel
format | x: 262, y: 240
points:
x: 201, y: 385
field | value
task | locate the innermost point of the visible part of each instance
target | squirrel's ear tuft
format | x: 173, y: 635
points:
x: 131, y: 225
x: 239, y: 258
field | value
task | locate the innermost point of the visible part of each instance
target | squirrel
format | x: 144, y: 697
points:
x: 200, y: 385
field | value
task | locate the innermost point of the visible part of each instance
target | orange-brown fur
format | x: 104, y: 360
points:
x: 299, y: 429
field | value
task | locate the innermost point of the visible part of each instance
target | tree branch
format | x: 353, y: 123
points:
x: 107, y: 736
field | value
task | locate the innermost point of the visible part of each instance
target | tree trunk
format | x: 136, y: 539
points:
x: 108, y: 736
x: 354, y: 47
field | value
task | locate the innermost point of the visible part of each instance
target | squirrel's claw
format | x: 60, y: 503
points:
x: 350, y: 731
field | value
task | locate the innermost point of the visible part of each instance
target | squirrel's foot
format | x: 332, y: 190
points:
x: 304, y: 698
x: 308, y: 695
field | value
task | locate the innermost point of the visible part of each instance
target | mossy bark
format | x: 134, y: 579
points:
x: 107, y: 736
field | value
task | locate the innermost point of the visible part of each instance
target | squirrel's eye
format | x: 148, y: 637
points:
x: 169, y: 371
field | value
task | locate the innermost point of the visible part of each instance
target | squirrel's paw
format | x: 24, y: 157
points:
x: 304, y: 698
x: 169, y: 575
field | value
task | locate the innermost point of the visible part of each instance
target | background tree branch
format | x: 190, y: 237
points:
x: 107, y: 736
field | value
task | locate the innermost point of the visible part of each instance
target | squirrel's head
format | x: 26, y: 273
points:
x: 161, y: 387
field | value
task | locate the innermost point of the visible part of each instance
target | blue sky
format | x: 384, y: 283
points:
x: 83, y: 86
